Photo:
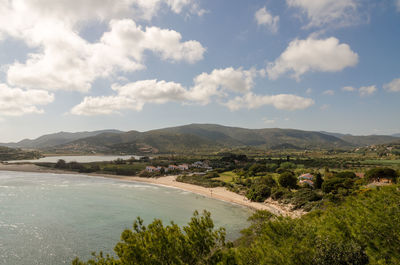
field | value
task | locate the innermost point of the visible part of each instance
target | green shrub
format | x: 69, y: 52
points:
x: 381, y: 173
x: 287, y: 180
x: 267, y: 180
x: 288, y: 165
x: 304, y: 196
x: 346, y: 175
x: 278, y: 193
x: 196, y: 243
x: 203, y: 181
x: 258, y: 193
x: 333, y: 184
x: 61, y: 164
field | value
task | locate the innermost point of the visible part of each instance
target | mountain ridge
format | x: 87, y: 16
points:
x: 196, y: 137
x: 53, y: 139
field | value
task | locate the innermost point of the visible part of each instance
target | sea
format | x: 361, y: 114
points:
x: 52, y: 218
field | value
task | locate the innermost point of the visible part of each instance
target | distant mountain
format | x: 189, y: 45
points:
x: 54, y: 139
x: 364, y: 140
x: 196, y: 138
x: 134, y: 142
x: 396, y: 135
x: 200, y: 138
x: 265, y: 138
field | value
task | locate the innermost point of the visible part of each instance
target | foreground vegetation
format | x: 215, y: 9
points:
x: 361, y: 230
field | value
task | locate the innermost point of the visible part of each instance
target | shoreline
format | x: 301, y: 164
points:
x: 219, y: 193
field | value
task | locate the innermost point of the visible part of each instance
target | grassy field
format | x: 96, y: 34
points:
x: 227, y: 176
x: 126, y: 169
x: 382, y: 162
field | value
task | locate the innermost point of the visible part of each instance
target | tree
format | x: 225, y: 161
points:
x: 346, y: 175
x: 376, y: 174
x: 318, y: 181
x: 288, y: 165
x: 258, y: 192
x: 330, y: 252
x: 271, y: 167
x: 361, y: 230
x: 260, y: 189
x: 61, y: 164
x: 267, y: 180
x: 287, y: 180
x: 196, y: 243
x: 334, y: 184
x: 119, y: 161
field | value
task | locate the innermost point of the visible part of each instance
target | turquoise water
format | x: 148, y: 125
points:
x: 52, y: 218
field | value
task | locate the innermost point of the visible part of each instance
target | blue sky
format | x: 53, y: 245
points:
x: 331, y: 65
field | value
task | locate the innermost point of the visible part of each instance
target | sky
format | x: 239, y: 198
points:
x: 83, y: 65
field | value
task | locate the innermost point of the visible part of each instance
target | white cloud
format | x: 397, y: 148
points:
x: 131, y: 40
x: 178, y: 5
x: 74, y: 12
x: 264, y: 17
x: 69, y: 62
x: 311, y: 55
x: 309, y: 91
x: 132, y: 96
x: 367, y: 90
x: 329, y: 92
x: 220, y: 83
x: 398, y: 5
x: 152, y: 91
x: 328, y: 12
x: 268, y: 121
x: 363, y: 91
x: 349, y: 88
x: 104, y: 105
x: 17, y: 102
x: 281, y: 102
x: 393, y: 86
x: 221, y: 80
x: 62, y: 59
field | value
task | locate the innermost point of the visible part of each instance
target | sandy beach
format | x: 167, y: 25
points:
x: 219, y: 193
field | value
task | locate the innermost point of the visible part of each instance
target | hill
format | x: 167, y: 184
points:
x: 201, y: 138
x: 50, y: 140
x: 263, y: 138
x: 134, y: 142
x: 364, y: 140
x: 196, y: 138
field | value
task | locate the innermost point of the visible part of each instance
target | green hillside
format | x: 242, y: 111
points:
x: 7, y: 154
x: 196, y: 138
x: 201, y: 138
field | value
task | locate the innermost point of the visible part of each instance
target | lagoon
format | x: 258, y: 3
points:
x: 51, y: 218
x: 79, y: 159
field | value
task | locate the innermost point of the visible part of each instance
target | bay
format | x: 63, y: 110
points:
x: 52, y: 218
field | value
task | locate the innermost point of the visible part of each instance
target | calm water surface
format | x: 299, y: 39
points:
x: 79, y: 159
x: 51, y: 218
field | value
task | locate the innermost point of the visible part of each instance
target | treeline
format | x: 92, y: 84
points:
x: 328, y: 187
x: 129, y: 167
x: 208, y: 180
x: 7, y: 154
x: 362, y: 230
x: 278, y: 179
